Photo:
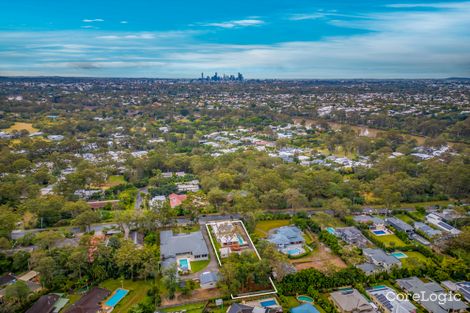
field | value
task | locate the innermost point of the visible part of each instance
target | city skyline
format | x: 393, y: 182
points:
x: 275, y: 39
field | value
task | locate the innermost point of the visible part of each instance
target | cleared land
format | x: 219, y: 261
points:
x: 327, y: 220
x: 114, y: 180
x: 414, y: 260
x: 321, y: 259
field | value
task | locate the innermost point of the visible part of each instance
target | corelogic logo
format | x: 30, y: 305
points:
x: 420, y: 297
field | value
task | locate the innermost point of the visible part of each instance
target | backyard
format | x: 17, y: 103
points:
x: 414, y: 260
x: 22, y: 126
x: 137, y: 292
x: 327, y: 220
x: 263, y: 227
x: 389, y: 240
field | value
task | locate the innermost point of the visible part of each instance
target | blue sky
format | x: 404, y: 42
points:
x: 262, y: 39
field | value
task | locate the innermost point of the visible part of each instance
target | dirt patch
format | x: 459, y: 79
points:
x: 197, y: 295
x: 321, y: 259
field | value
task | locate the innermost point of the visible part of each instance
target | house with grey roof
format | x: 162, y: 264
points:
x: 208, y: 280
x: 369, y: 268
x: 287, y: 237
x: 388, y: 301
x: 351, y: 300
x: 175, y: 246
x: 431, y: 296
x: 353, y: 236
x: 380, y: 258
x: 399, y: 225
x: 426, y: 229
x: 375, y: 222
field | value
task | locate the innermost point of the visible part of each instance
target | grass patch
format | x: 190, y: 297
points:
x: 390, y: 241
x: 263, y: 227
x: 22, y: 126
x: 189, y: 308
x: 186, y: 229
x: 415, y: 260
x: 137, y: 292
x: 197, y: 266
x: 327, y: 220
x: 289, y: 302
x: 405, y: 218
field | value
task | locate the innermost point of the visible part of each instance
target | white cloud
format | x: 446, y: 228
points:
x: 236, y: 23
x: 92, y: 20
x: 301, y: 17
x: 130, y: 36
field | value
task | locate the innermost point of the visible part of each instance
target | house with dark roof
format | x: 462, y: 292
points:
x: 7, y: 279
x: 353, y: 236
x: 379, y: 258
x: 430, y: 295
x: 90, y: 302
x: 351, y: 301
x: 191, y: 246
x: 399, y: 225
x: 45, y: 304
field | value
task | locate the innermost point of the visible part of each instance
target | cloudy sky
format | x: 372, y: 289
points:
x: 262, y: 39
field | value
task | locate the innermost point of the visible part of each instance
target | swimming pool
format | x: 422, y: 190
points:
x: 379, y: 232
x: 267, y: 303
x: 184, y: 263
x: 399, y: 255
x: 240, y: 239
x: 305, y: 299
x: 294, y: 251
x: 331, y: 230
x: 116, y: 297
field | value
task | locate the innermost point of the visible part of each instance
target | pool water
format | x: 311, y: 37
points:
x: 331, y: 230
x: 184, y: 263
x: 379, y: 232
x: 116, y: 297
x: 294, y: 251
x: 305, y: 299
x: 399, y: 255
x: 240, y: 239
x: 267, y: 303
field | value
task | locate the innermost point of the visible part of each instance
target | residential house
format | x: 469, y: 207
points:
x: 351, y: 301
x: 438, y: 221
x: 415, y: 285
x: 380, y: 258
x: 176, y: 200
x: 464, y: 289
x: 191, y: 246
x: 157, y: 201
x: 208, y: 280
x: 353, y: 236
x: 426, y: 229
x: 287, y: 237
x: 399, y: 225
x: 90, y: 302
x: 45, y: 304
x: 374, y: 222
x: 387, y: 300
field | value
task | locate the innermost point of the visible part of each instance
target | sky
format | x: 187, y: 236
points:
x: 285, y: 39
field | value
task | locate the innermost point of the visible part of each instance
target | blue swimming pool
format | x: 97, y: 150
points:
x: 399, y: 255
x: 240, y: 239
x: 184, y: 263
x: 331, y: 230
x: 294, y: 251
x: 116, y: 297
x: 267, y: 303
x: 379, y: 232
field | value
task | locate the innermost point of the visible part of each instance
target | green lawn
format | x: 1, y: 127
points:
x: 290, y: 302
x: 390, y: 240
x: 189, y: 308
x: 137, y: 292
x: 263, y: 227
x: 327, y: 220
x: 414, y: 259
x: 197, y: 266
x: 405, y: 218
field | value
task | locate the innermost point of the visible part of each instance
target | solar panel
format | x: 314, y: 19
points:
x: 446, y: 226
